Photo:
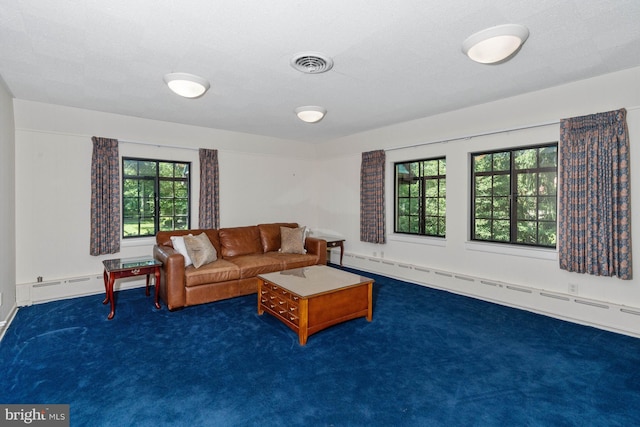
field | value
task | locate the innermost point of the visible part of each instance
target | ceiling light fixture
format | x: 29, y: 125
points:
x: 187, y: 85
x: 310, y: 113
x: 495, y: 44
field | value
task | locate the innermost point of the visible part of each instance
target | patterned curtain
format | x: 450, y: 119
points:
x: 594, y: 234
x: 209, y: 182
x: 372, y: 219
x: 105, y: 197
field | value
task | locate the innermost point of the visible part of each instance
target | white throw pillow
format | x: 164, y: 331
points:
x: 179, y: 245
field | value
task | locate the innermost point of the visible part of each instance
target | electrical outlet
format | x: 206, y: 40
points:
x: 573, y: 288
x: 375, y: 254
x: 381, y: 254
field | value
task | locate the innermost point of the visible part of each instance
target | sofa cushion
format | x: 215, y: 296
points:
x: 270, y: 235
x: 200, y: 249
x: 218, y: 271
x: 163, y: 238
x: 292, y: 240
x: 252, y: 265
x: 238, y: 241
x: 289, y: 261
x: 179, y: 245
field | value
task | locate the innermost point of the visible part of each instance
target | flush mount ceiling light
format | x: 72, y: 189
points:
x: 187, y: 85
x: 310, y: 113
x: 495, y: 44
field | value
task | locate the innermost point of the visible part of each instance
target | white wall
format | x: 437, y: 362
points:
x: 7, y: 212
x: 531, y: 268
x: 258, y: 183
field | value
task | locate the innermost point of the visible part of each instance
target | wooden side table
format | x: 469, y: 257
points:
x: 332, y: 242
x: 120, y: 268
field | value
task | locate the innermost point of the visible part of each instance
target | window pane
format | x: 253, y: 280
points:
x: 431, y: 188
x: 526, y: 159
x: 166, y: 169
x: 147, y: 168
x: 420, y: 195
x: 501, y: 161
x: 484, y: 186
x: 533, y: 188
x: 548, y: 184
x: 143, y: 214
x: 501, y: 185
x: 130, y: 167
x: 482, y: 163
x: 501, y: 231
x: 483, y: 229
x: 547, y: 208
x: 547, y: 234
x: 549, y: 157
x: 166, y: 189
x: 527, y: 232
x: 483, y: 207
x: 501, y: 208
x: 527, y: 184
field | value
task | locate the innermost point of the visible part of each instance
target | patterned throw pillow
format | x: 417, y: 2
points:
x: 292, y: 240
x: 178, y: 245
x: 200, y: 250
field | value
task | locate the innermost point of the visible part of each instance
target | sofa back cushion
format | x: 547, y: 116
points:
x: 238, y: 241
x: 270, y: 235
x: 163, y: 238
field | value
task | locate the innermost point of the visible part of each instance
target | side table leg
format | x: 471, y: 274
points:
x: 110, y: 296
x: 105, y: 276
x: 147, y: 289
x: 341, y: 252
x: 157, y: 286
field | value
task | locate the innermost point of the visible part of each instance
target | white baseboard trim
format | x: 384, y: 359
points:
x: 4, y: 324
x: 573, y: 308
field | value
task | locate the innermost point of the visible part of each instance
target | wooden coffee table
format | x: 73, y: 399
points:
x: 311, y: 299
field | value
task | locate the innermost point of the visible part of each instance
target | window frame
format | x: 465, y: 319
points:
x: 157, y: 180
x: 513, y: 173
x: 422, y: 208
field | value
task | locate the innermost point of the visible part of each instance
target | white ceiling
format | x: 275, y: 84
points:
x: 394, y: 60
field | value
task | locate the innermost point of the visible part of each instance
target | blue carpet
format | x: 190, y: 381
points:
x: 428, y: 358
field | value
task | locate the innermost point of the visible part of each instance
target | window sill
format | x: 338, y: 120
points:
x: 504, y: 249
x: 139, y: 241
x: 419, y: 240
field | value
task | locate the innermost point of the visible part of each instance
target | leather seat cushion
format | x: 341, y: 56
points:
x: 252, y: 265
x: 218, y: 271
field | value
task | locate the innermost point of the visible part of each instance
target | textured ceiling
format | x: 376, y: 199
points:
x: 394, y: 60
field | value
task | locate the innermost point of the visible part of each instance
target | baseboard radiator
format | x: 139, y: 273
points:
x: 603, y: 315
x: 51, y: 290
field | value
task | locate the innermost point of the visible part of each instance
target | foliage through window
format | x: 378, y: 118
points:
x: 514, y: 197
x: 155, y: 196
x: 421, y: 197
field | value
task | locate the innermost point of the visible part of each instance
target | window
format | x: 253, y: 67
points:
x: 514, y: 197
x: 421, y: 197
x: 155, y: 196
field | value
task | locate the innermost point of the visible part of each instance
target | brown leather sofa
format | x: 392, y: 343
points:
x: 243, y: 253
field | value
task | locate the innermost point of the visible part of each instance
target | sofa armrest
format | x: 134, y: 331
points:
x: 318, y: 248
x: 172, y: 278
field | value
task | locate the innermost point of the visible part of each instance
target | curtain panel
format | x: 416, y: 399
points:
x: 594, y: 228
x: 209, y: 215
x: 105, y: 197
x: 372, y: 212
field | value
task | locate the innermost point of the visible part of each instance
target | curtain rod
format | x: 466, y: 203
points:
x: 493, y: 132
x: 457, y: 138
x: 158, y: 145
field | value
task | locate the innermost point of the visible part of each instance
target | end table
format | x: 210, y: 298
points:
x: 119, y: 268
x: 332, y: 242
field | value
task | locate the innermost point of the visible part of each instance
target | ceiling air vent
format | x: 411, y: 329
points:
x: 311, y: 63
